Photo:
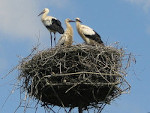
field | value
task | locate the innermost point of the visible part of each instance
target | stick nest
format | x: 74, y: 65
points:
x: 76, y: 76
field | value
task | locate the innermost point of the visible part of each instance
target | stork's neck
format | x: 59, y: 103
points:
x: 69, y: 27
x: 78, y: 25
x: 44, y: 15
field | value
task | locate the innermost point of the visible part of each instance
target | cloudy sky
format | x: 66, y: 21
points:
x: 123, y: 21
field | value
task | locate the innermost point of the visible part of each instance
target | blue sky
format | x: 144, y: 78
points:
x: 123, y: 21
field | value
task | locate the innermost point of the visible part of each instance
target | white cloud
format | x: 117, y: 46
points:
x: 19, y: 17
x: 145, y: 4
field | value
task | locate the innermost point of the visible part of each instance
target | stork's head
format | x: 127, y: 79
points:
x: 78, y: 20
x: 69, y: 20
x: 46, y: 10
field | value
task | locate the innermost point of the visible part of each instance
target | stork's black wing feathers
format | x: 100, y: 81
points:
x: 56, y: 26
x: 96, y: 37
x: 57, y: 22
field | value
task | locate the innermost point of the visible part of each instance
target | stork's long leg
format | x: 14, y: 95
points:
x: 55, y: 38
x: 51, y: 38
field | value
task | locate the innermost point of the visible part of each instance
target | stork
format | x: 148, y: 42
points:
x: 67, y: 38
x: 88, y: 34
x: 51, y: 23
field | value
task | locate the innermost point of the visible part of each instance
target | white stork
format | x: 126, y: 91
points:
x: 67, y: 38
x: 88, y: 34
x: 51, y: 23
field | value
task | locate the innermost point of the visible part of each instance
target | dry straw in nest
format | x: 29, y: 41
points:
x: 76, y: 76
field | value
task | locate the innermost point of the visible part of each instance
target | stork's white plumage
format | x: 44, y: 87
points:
x: 51, y: 23
x: 88, y: 34
x: 67, y: 38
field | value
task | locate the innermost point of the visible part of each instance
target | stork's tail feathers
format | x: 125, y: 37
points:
x: 98, y: 38
x: 61, y: 30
